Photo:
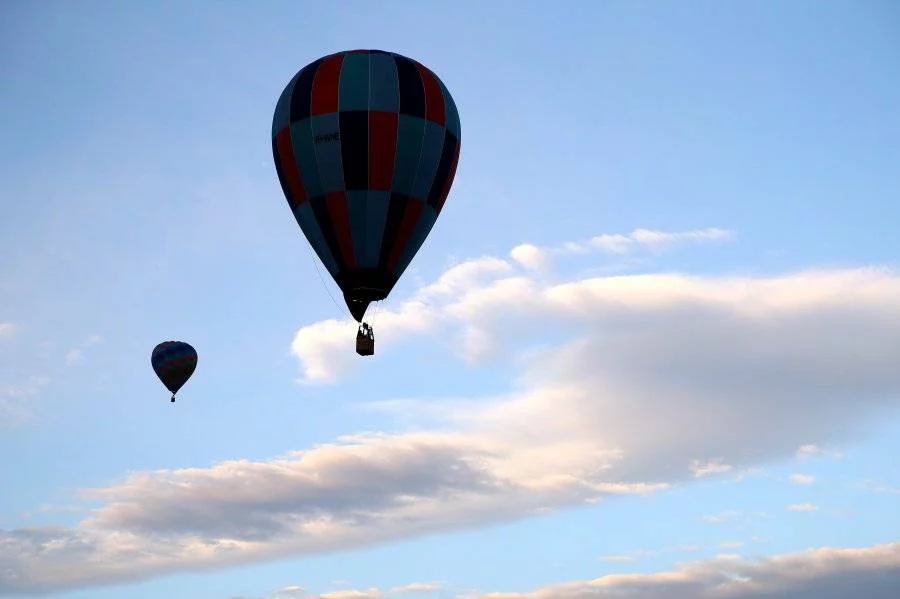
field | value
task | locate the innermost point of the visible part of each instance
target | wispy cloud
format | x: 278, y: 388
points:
x: 805, y: 452
x: 76, y: 355
x: 418, y: 587
x: 14, y: 399
x: 802, y: 479
x: 722, y: 517
x: 745, y: 473
x: 297, y: 592
x: 702, y: 469
x: 627, y: 557
x: 685, y: 549
x: 733, y: 517
x: 635, y: 555
x: 7, y: 330
x: 731, y: 544
x: 28, y: 389
x: 874, y: 487
x: 288, y: 592
x: 537, y: 258
x: 646, y: 238
x: 803, y: 507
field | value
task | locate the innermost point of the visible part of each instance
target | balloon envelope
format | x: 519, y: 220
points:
x: 366, y: 145
x: 174, y: 362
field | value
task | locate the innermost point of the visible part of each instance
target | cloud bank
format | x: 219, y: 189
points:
x: 826, y: 573
x: 628, y: 385
x: 873, y: 573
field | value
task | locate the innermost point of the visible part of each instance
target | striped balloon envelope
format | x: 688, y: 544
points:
x: 174, y: 362
x: 366, y: 145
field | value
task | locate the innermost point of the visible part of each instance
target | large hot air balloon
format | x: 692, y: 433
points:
x: 174, y: 362
x: 366, y: 145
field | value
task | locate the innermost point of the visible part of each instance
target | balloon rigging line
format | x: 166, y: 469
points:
x: 322, y: 280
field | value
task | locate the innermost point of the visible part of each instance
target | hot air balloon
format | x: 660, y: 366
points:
x: 174, y: 363
x: 366, y: 144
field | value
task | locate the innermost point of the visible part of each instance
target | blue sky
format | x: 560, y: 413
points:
x: 654, y: 329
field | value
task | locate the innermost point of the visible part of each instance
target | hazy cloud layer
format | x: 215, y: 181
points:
x: 648, y: 380
x: 873, y: 573
x: 870, y: 573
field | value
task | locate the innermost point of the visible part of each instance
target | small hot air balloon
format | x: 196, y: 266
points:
x: 366, y: 144
x: 174, y: 363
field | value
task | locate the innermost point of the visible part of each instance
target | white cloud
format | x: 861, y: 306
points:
x: 873, y: 573
x: 802, y: 479
x: 325, y: 349
x: 803, y: 507
x: 7, y: 330
x: 701, y: 469
x: 697, y: 364
x: 363, y: 490
x: 652, y: 372
x: 531, y: 257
